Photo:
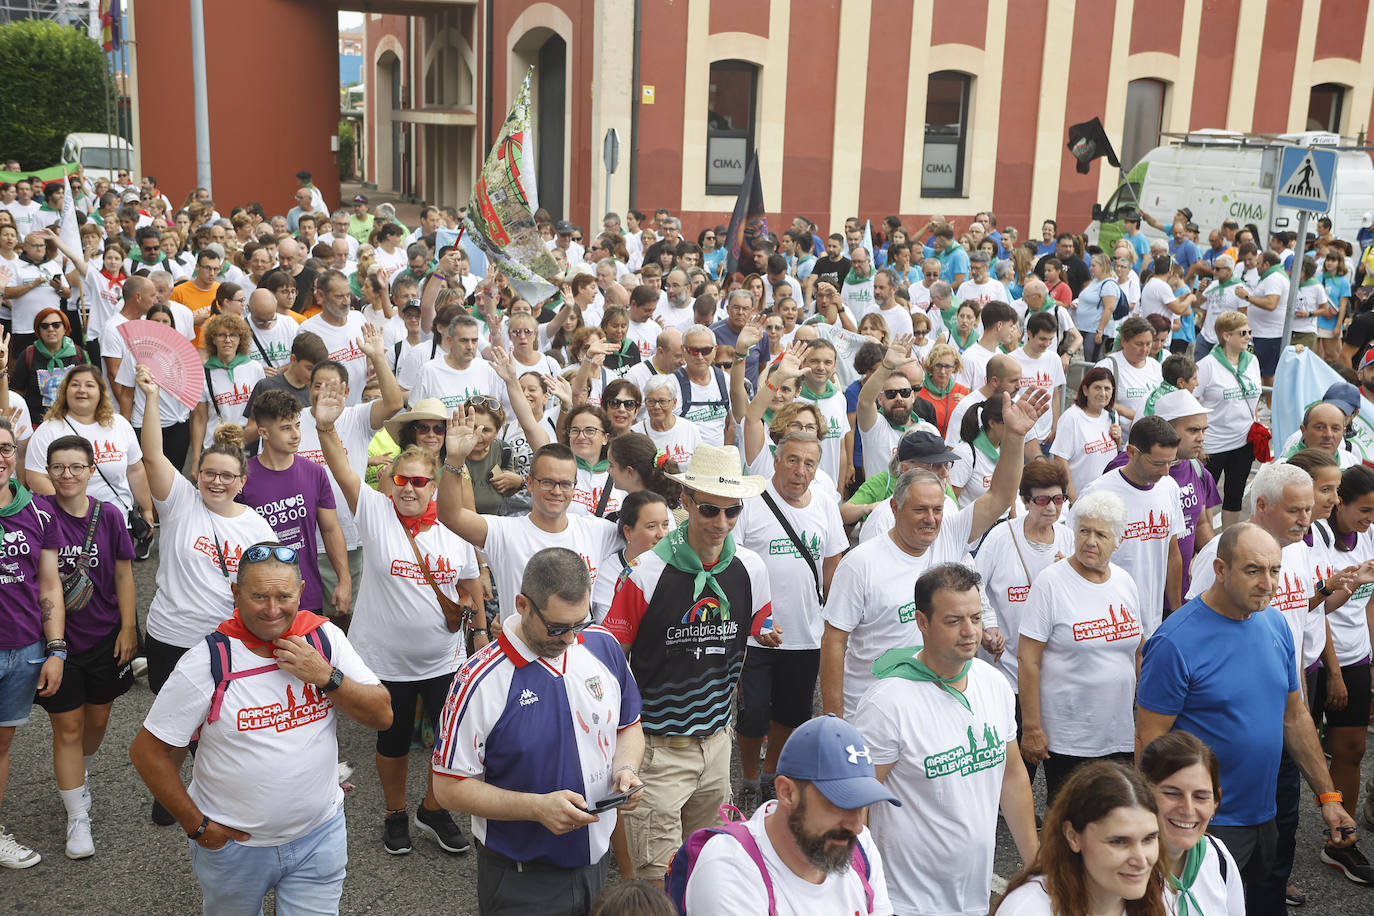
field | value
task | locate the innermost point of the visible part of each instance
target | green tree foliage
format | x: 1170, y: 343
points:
x: 57, y: 85
x: 348, y: 143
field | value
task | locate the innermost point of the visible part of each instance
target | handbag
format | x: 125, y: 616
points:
x: 77, y: 587
x: 139, y: 528
x: 456, y: 616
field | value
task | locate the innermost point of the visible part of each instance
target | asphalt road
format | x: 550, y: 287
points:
x: 144, y: 869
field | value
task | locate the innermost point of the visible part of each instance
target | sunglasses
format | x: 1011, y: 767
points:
x: 891, y: 393
x: 50, y: 326
x: 708, y: 510
x: 553, y: 631
x: 701, y: 351
x: 418, y: 482
x: 1043, y: 501
x: 260, y: 552
x: 435, y: 428
x: 623, y: 403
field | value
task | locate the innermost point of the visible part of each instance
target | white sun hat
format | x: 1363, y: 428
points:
x: 715, y: 470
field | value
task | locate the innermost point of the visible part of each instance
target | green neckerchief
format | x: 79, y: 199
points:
x: 137, y: 258
x: 677, y: 553
x: 1277, y: 268
x: 968, y: 341
x: 67, y: 349
x: 950, y: 317
x: 1163, y: 389
x: 21, y: 498
x: 938, y: 392
x: 853, y: 279
x: 982, y: 443
x: 1238, y: 370
x: 949, y: 250
x: 238, y: 360
x: 584, y: 465
x: 807, y: 393
x: 1311, y: 281
x: 1192, y: 864
x: 1224, y: 285
x: 768, y: 417
x: 904, y: 663
x: 624, y: 350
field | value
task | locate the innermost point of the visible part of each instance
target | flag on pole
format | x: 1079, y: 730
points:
x: 111, y: 24
x: 868, y: 237
x: 500, y: 215
x: 748, y: 221
x: 1088, y: 141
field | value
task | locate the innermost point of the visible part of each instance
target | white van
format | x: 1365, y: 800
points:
x: 1223, y: 174
x: 100, y: 155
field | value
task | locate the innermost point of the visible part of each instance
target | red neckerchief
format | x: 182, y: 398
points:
x: 305, y: 622
x: 117, y: 279
x: 420, y: 522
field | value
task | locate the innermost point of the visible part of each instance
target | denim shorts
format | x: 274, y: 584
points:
x: 19, y: 671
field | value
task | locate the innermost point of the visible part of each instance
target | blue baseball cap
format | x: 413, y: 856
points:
x: 1345, y: 396
x: 830, y: 754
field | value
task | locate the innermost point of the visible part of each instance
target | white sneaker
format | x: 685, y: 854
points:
x: 139, y: 666
x: 14, y: 854
x: 86, y: 796
x: 79, y: 842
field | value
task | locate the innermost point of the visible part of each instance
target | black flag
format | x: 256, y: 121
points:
x: 1088, y: 141
x: 748, y: 223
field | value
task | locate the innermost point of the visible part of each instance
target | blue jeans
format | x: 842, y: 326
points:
x: 19, y: 671
x: 307, y: 873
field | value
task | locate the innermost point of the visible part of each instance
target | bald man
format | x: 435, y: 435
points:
x: 291, y: 259
x: 1004, y: 374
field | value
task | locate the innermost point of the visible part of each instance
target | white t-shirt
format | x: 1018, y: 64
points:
x: 398, y: 625
x: 679, y: 442
x: 1007, y: 582
x: 27, y: 306
x: 103, y: 298
x: 231, y: 397
x: 354, y: 427
x: 512, y: 541
x: 975, y: 366
x: 1155, y: 298
x: 835, y: 412
x: 1091, y: 632
x: 1311, y: 296
x: 1232, y: 409
x: 897, y: 318
x: 116, y: 450
x: 645, y: 335
x: 1348, y: 623
x: 1154, y: 517
x: 275, y: 341
x: 587, y: 493
x: 872, y: 599
x: 1086, y: 443
x: 763, y: 465
x: 1031, y: 899
x: 972, y: 473
x: 725, y: 880
x: 25, y: 216
x: 1213, y: 893
x: 454, y: 386
x: 269, y: 765
x: 342, y: 344
x: 414, y: 360
x: 990, y: 290
x: 671, y: 317
x: 1133, y: 383
x: 1045, y: 373
x: 947, y: 770
x: 880, y: 440
x: 193, y: 594
x: 956, y: 416
x: 1264, y: 322
x: 796, y: 609
x: 1218, y: 302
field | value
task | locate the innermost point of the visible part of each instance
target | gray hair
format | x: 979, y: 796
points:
x: 740, y: 294
x: 891, y: 276
x: 928, y: 261
x: 555, y: 571
x: 699, y: 329
x: 941, y: 290
x: 613, y: 217
x: 1101, y: 506
x: 605, y: 262
x: 461, y: 321
x: 214, y: 248
x: 1003, y: 269
x: 162, y: 275
x: 665, y: 382
x: 1273, y: 478
x: 1224, y: 260
x: 671, y: 222
x: 910, y: 479
x: 978, y: 257
x: 416, y: 249
x: 386, y: 211
x: 340, y: 213
x: 1035, y: 285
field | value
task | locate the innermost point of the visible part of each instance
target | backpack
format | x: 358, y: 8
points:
x: 1123, y: 305
x: 685, y: 859
x: 684, y: 385
x: 222, y: 665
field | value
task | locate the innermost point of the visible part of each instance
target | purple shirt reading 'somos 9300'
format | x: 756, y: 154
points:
x: 22, y: 543
x: 67, y: 535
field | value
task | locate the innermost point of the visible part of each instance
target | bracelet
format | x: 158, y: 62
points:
x: 770, y: 386
x: 58, y: 653
x: 327, y: 430
x: 200, y: 831
x: 739, y: 355
x: 57, y: 643
x: 1326, y: 798
x: 440, y: 276
x: 622, y: 769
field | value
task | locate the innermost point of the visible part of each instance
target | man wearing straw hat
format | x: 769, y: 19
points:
x: 684, y: 615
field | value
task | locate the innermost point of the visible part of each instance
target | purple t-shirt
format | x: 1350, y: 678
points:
x: 290, y: 500
x: 20, y: 547
x: 1199, y: 492
x: 100, y: 617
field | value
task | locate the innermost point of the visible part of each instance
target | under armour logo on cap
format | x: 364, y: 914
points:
x: 855, y: 754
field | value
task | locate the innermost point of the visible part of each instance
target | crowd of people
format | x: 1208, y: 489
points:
x: 903, y: 518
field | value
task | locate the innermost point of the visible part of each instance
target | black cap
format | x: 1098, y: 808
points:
x: 303, y: 175
x: 564, y: 227
x: 925, y: 447
x: 359, y: 199
x: 1187, y: 213
x: 1130, y: 216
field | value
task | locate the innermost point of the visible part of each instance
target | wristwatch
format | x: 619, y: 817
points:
x: 1323, y: 589
x: 335, y: 681
x: 200, y: 831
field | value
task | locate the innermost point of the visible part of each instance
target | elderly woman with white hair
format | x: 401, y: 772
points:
x: 673, y: 436
x: 1081, y: 633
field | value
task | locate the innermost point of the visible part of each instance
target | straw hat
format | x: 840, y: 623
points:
x: 715, y: 469
x: 427, y: 409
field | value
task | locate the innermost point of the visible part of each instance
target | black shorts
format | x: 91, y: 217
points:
x: 90, y: 677
x: 432, y: 693
x: 1356, y: 712
x: 162, y: 658
x: 776, y: 685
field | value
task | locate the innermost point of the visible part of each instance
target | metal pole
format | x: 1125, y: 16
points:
x: 608, y: 193
x: 1295, y: 278
x: 202, y: 102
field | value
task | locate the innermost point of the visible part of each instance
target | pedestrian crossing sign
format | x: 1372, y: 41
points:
x: 1306, y: 179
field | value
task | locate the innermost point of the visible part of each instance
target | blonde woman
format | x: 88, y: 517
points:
x: 942, y: 366
x: 230, y: 374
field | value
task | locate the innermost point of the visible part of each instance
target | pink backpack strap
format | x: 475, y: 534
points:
x: 858, y: 860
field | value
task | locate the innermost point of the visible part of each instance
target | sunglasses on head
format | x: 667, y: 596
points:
x: 709, y: 510
x: 279, y: 552
x: 891, y: 393
x: 418, y: 482
x: 484, y: 400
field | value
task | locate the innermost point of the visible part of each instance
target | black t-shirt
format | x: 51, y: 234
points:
x: 1360, y: 335
x: 277, y: 382
x: 305, y: 287
x: 1075, y: 273
x: 834, y: 270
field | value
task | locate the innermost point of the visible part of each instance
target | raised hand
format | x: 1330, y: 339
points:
x: 371, y: 343
x: 143, y: 378
x: 560, y: 388
x: 501, y: 363
x: 329, y: 404
x: 461, y: 437
x: 899, y: 350
x: 750, y: 334
x: 790, y: 366
x: 1020, y: 415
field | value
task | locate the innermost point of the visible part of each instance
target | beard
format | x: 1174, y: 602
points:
x: 815, y: 846
x: 899, y: 415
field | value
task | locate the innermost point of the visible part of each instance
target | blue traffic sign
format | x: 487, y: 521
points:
x: 1307, y: 179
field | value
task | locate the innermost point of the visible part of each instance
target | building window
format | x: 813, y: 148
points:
x: 1144, y: 120
x: 1325, y: 105
x: 947, y: 102
x: 730, y: 111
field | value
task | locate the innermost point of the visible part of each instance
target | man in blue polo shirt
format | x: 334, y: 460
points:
x: 539, y: 727
x: 1221, y: 667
